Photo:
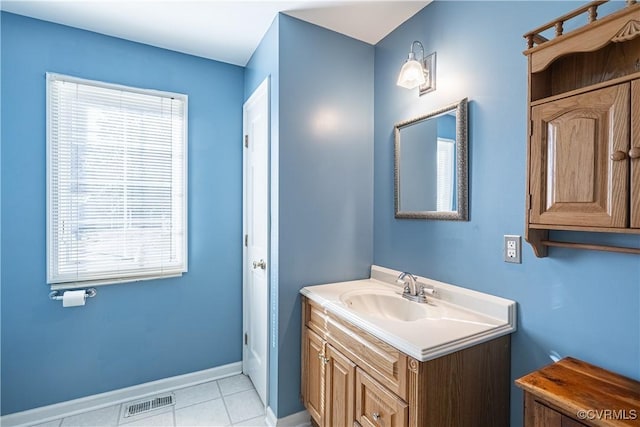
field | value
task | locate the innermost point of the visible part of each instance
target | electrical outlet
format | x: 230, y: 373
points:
x: 512, y: 245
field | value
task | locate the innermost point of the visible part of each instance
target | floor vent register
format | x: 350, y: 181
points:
x: 147, y: 405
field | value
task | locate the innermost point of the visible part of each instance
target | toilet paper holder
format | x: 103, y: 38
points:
x: 57, y: 295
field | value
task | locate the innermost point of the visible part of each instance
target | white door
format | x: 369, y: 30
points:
x: 256, y: 237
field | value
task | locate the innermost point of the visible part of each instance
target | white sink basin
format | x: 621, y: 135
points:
x: 457, y: 318
x: 389, y: 306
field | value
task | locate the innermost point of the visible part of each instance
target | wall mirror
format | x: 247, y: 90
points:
x: 431, y: 165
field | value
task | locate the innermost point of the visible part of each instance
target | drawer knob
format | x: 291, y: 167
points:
x: 618, y: 155
x: 376, y: 416
x: 634, y: 153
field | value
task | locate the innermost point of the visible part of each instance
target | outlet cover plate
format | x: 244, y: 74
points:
x: 512, y: 248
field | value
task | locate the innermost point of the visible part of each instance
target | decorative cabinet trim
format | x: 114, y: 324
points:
x: 630, y: 31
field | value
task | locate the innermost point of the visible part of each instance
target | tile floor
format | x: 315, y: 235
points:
x: 230, y: 401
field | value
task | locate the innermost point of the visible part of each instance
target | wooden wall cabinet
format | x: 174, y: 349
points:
x: 351, y: 378
x: 573, y: 393
x: 584, y: 130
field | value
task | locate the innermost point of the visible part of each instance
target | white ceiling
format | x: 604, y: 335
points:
x: 224, y: 30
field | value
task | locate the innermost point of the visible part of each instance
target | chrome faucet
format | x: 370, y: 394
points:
x: 412, y: 291
x: 408, y: 280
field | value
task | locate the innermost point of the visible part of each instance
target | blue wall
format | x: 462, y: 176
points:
x: 321, y: 176
x: 133, y: 333
x: 580, y: 303
x: 326, y: 175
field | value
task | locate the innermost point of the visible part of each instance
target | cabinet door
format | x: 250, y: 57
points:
x: 376, y: 406
x: 544, y: 416
x: 579, y: 170
x: 313, y: 370
x: 340, y: 375
x: 634, y: 154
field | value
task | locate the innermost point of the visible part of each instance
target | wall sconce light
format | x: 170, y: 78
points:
x: 418, y: 72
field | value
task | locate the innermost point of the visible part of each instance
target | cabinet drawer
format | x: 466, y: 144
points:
x: 383, y: 362
x: 376, y: 406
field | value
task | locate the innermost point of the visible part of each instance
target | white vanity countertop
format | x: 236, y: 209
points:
x: 459, y: 318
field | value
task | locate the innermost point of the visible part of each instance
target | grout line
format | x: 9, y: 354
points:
x: 237, y: 392
x: 224, y: 403
x: 199, y: 403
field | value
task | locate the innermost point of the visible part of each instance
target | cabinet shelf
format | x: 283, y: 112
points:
x: 585, y: 229
x: 540, y: 242
x: 595, y: 247
x: 585, y: 89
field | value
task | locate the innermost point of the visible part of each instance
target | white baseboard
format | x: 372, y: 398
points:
x: 299, y: 419
x: 114, y: 397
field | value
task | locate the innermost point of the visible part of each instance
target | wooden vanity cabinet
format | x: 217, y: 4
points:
x: 583, y: 169
x: 351, y: 378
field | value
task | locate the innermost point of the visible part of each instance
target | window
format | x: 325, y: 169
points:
x: 446, y: 156
x: 116, y: 183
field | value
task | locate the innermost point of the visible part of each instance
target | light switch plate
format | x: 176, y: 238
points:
x: 512, y: 246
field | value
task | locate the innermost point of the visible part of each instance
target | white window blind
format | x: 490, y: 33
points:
x: 116, y: 183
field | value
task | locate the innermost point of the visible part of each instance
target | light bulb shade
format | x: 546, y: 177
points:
x: 411, y: 74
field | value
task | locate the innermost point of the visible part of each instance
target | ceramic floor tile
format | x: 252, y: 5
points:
x: 135, y: 418
x: 196, y: 394
x: 101, y: 417
x: 159, y: 420
x: 253, y: 422
x: 54, y: 423
x: 210, y: 414
x: 244, y: 405
x: 198, y: 405
x: 235, y: 384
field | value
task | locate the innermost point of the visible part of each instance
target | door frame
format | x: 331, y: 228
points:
x: 263, y: 89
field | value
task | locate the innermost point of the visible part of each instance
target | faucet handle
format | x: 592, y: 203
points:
x: 428, y: 290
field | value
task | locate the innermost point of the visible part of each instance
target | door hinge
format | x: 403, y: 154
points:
x: 246, y: 240
x: 531, y: 128
x: 529, y: 202
x: 246, y: 339
x: 246, y: 141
